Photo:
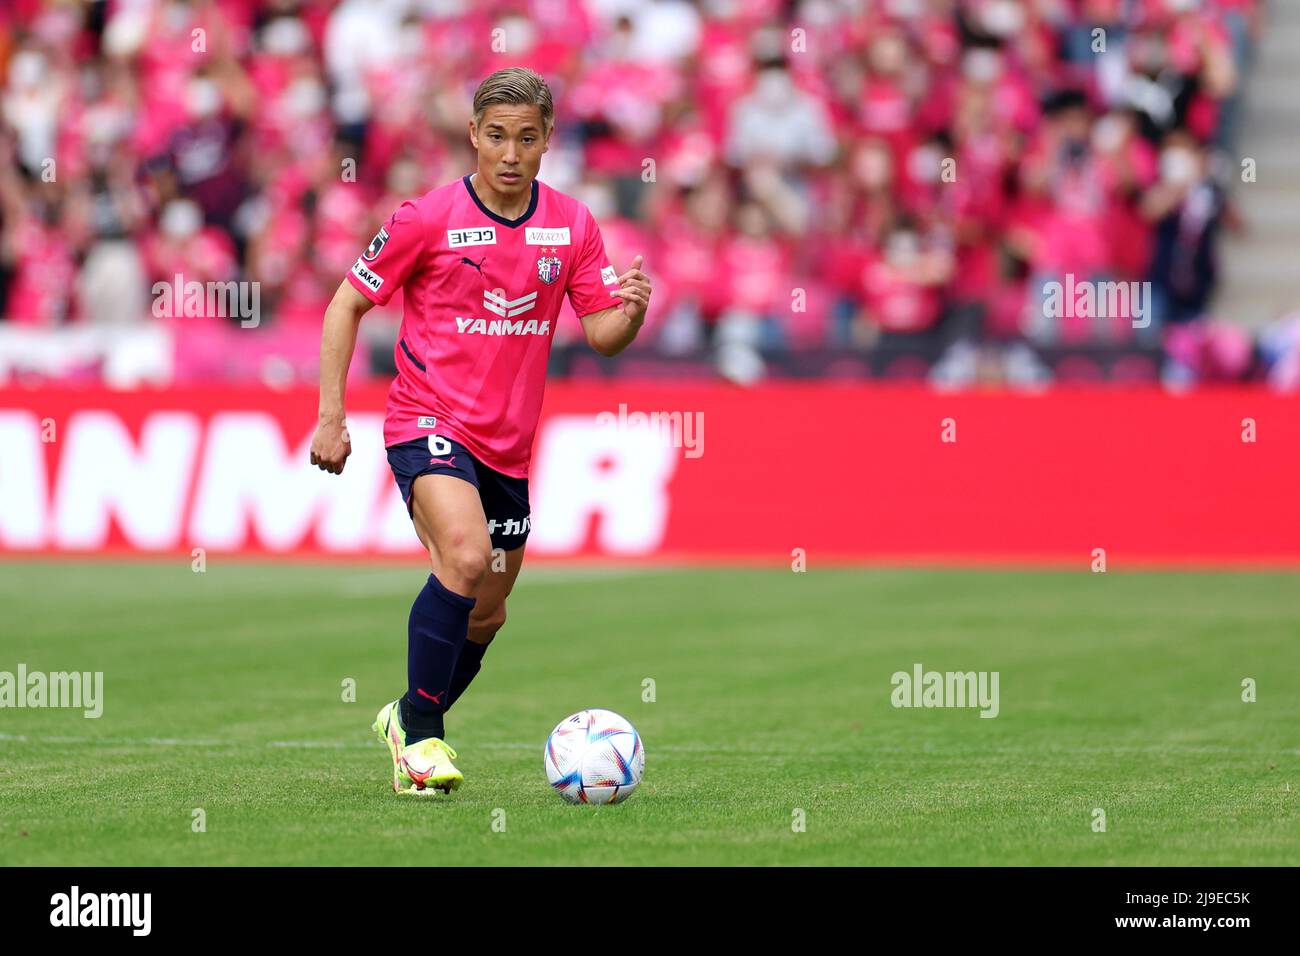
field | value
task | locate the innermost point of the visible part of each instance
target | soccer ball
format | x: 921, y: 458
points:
x: 595, y: 756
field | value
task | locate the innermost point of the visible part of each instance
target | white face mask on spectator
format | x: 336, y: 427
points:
x: 773, y: 87
x: 1108, y: 133
x: 872, y: 168
x: 203, y: 98
x: 27, y: 70
x: 1002, y: 18
x: 180, y: 219
x: 906, y: 9
x: 925, y: 163
x: 1178, y: 165
x: 517, y: 34
x: 410, y: 40
x: 599, y: 200
x: 902, y: 248
x: 285, y: 36
x: 981, y: 66
x: 305, y: 98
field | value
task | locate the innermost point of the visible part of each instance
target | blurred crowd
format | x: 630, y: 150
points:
x: 815, y: 174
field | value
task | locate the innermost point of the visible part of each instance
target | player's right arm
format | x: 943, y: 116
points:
x: 330, y: 445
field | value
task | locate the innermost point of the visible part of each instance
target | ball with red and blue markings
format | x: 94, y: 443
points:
x: 595, y: 756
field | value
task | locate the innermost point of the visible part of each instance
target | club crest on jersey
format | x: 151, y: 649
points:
x: 548, y: 267
x: 376, y: 245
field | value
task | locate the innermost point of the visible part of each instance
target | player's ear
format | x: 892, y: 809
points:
x: 473, y: 134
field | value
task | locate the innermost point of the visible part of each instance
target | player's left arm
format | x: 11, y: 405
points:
x: 611, y: 330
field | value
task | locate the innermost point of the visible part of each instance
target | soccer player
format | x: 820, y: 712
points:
x: 484, y: 262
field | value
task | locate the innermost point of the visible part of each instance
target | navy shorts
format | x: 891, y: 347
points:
x: 505, y: 499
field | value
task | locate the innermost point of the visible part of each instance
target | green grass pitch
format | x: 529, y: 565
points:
x: 223, y: 691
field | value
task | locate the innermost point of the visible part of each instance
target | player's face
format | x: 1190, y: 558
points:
x: 510, y: 142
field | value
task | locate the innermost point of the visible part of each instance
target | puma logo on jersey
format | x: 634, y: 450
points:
x: 503, y: 327
x: 466, y: 260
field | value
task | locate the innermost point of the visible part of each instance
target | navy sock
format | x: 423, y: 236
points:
x: 435, y: 634
x: 420, y: 724
x: 467, y: 666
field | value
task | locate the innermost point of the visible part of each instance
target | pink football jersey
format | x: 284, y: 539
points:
x: 482, y: 297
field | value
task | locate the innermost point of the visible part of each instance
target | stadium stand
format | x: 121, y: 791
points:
x: 827, y: 188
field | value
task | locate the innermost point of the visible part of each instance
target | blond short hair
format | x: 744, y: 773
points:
x: 515, y: 86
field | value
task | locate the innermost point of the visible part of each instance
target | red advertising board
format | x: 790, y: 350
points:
x: 851, y: 472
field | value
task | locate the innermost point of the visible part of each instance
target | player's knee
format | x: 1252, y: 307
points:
x: 465, y: 567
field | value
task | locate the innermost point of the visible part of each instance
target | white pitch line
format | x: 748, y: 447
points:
x: 737, y: 750
x: 369, y: 583
x: 117, y: 741
x: 372, y: 744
